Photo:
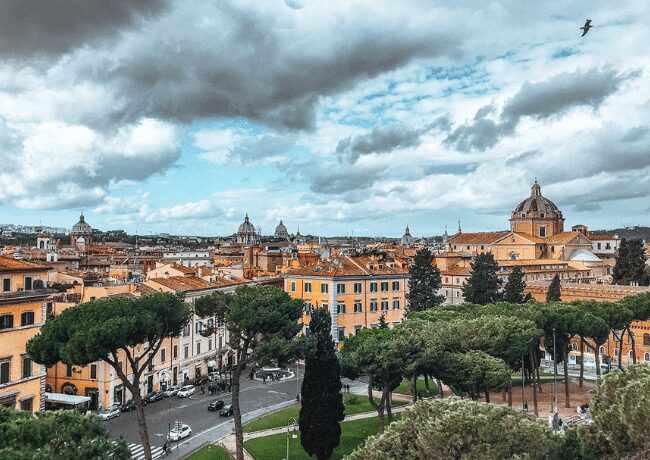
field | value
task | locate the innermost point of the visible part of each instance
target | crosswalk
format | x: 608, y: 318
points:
x: 137, y: 451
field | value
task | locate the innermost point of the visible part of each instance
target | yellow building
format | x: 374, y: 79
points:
x: 357, y: 290
x: 23, y: 309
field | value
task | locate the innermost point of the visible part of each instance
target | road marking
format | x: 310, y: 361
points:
x: 137, y: 451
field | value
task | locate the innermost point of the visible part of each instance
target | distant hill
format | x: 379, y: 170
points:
x: 629, y: 233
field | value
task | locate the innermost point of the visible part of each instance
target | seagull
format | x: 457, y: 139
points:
x: 586, y: 27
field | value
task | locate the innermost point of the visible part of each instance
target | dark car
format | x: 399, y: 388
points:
x: 201, y: 379
x: 130, y: 405
x: 226, y: 411
x: 154, y: 396
x: 216, y: 404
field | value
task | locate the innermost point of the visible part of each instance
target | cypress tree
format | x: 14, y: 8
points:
x: 424, y: 283
x: 630, y: 264
x: 513, y: 291
x: 482, y: 286
x: 554, y: 293
x: 322, y: 402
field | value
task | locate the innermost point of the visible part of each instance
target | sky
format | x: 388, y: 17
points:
x: 340, y: 117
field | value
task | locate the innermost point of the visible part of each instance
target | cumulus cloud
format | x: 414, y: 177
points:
x: 242, y: 147
x: 550, y: 98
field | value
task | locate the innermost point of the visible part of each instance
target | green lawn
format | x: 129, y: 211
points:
x: 354, y: 404
x: 353, y: 434
x: 405, y: 388
x: 210, y: 452
x: 544, y: 377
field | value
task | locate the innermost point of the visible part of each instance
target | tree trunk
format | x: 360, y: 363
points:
x: 378, y: 407
x: 597, y: 358
x: 415, y: 388
x: 510, y: 393
x: 389, y: 409
x: 142, y: 423
x: 567, y: 396
x: 532, y: 381
x: 582, y: 360
x: 236, y: 411
x: 633, y: 343
x: 620, y: 350
x: 426, y: 382
x: 439, y: 383
x: 536, y: 375
x: 487, y: 395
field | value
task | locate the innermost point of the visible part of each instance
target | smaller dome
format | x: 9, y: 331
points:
x: 281, y: 230
x: 82, y: 227
x: 246, y: 227
x: 582, y: 255
x: 407, y: 239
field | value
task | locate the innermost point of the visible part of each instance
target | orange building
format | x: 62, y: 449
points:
x: 356, y: 289
x: 23, y: 310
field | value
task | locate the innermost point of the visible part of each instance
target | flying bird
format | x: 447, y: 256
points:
x: 586, y: 27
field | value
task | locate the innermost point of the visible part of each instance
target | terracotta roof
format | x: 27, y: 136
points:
x: 350, y: 266
x: 476, y: 238
x: 532, y: 262
x: 602, y: 237
x: 563, y: 237
x: 184, y: 283
x: 8, y: 264
x: 183, y: 268
x: 454, y: 271
x: 529, y: 237
x: 144, y: 289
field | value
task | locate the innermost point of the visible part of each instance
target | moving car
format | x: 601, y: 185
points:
x: 179, y: 431
x: 226, y: 411
x: 185, y: 391
x: 216, y: 404
x: 171, y: 391
x: 154, y: 396
x: 109, y: 413
x: 129, y: 405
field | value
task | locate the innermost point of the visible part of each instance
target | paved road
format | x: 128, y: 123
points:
x: 256, y: 399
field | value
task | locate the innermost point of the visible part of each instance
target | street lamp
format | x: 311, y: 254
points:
x: 291, y: 430
x: 297, y: 384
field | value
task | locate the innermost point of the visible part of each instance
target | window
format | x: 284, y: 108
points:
x: 616, y: 352
x: 373, y: 287
x: 395, y: 304
x: 27, y: 318
x: 395, y: 285
x: 68, y: 370
x: 324, y: 288
x: 293, y: 286
x: 209, y: 344
x: 646, y: 339
x: 384, y: 286
x: 607, y: 245
x: 357, y: 288
x: 186, y: 352
x: 542, y: 232
x: 6, y: 321
x: 598, y: 246
x: 357, y: 307
x: 574, y: 346
x: 175, y: 354
x: 307, y: 308
x: 358, y: 328
x: 384, y: 305
x: 340, y: 288
x: 93, y: 371
x: 28, y: 283
x: 4, y: 371
x: 646, y: 357
x: 163, y: 354
x: 630, y: 336
x: 27, y: 367
x: 198, y: 348
x: 26, y: 404
x: 186, y: 330
x: 6, y: 284
x: 631, y: 354
x: 341, y: 334
x: 307, y: 287
x: 198, y: 326
x: 340, y: 308
x: 601, y: 350
x: 373, y: 305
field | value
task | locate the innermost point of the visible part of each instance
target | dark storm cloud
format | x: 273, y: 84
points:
x: 384, y: 139
x: 539, y: 100
x: 267, y: 67
x: 37, y: 28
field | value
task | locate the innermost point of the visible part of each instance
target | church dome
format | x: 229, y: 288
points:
x: 246, y: 227
x: 407, y: 239
x: 582, y: 255
x: 81, y: 227
x: 281, y: 231
x: 537, y: 204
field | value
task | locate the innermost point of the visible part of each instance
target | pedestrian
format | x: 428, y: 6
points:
x: 264, y: 379
x: 202, y: 388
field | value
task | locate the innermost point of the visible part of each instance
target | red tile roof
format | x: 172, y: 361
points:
x: 476, y: 238
x: 8, y: 264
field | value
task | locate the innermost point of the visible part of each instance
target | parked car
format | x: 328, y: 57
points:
x: 185, y: 391
x: 226, y: 411
x: 216, y: 405
x: 154, y: 396
x: 109, y: 413
x: 130, y: 405
x: 171, y: 391
x: 179, y: 431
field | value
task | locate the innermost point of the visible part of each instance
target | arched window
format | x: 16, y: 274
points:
x: 630, y: 336
x: 646, y: 339
x: 616, y: 352
x: 574, y: 346
x: 631, y: 354
x: 646, y: 357
x: 601, y: 350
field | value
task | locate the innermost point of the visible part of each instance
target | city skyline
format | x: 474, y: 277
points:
x: 347, y: 118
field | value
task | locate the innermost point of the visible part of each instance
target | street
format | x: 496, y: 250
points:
x: 256, y: 398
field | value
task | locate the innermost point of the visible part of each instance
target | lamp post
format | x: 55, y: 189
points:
x: 523, y: 385
x: 297, y: 384
x: 291, y: 430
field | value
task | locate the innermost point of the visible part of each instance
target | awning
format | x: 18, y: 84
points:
x: 62, y: 398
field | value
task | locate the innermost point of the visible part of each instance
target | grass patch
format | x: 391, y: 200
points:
x: 544, y: 377
x: 406, y: 388
x: 353, y: 434
x: 354, y: 404
x: 210, y: 452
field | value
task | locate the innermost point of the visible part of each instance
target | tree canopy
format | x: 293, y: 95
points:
x: 630, y: 264
x: 424, y: 284
x: 483, y: 284
x: 513, y: 291
x: 554, y: 292
x: 59, y: 435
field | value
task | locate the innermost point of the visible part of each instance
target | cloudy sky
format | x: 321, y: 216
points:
x: 340, y: 116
